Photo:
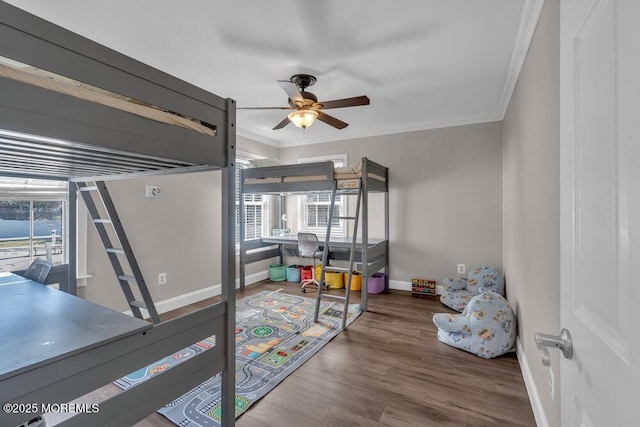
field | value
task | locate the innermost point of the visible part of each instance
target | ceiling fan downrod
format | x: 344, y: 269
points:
x: 303, y: 81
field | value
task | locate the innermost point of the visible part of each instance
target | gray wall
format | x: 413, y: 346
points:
x: 177, y: 233
x: 445, y: 196
x: 532, y: 201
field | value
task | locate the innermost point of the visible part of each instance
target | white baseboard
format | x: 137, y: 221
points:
x: 182, y: 300
x: 253, y: 278
x: 401, y: 285
x: 195, y: 296
x: 532, y: 390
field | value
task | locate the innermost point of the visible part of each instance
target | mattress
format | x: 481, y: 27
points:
x: 47, y: 80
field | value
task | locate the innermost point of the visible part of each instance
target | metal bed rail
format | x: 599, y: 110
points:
x: 372, y: 184
x: 275, y: 182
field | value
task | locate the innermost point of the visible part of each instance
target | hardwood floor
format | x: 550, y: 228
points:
x: 388, y: 368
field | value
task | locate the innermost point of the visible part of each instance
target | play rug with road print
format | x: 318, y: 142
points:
x: 275, y: 334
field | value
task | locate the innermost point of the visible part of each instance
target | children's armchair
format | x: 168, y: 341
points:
x: 486, y: 327
x: 458, y: 291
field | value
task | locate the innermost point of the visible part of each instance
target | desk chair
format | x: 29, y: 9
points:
x: 309, y: 247
x: 38, y: 270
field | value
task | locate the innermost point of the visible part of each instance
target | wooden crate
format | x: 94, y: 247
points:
x: 423, y: 288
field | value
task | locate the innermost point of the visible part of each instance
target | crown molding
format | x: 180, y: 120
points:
x: 382, y: 131
x: 245, y: 132
x: 528, y: 22
x: 372, y: 132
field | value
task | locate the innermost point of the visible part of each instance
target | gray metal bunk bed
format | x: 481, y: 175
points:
x: 71, y: 108
x: 371, y: 254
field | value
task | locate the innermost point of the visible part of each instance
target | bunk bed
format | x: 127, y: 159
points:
x: 371, y: 254
x: 74, y: 110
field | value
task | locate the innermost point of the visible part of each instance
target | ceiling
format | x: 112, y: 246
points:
x: 423, y: 63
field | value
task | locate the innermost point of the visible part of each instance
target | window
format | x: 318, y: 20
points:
x: 256, y: 216
x: 256, y: 209
x: 313, y: 208
x: 32, y: 222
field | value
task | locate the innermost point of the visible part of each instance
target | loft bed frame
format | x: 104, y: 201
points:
x: 372, y: 255
x: 50, y: 131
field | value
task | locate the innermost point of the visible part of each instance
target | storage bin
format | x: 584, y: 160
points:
x: 331, y: 278
x: 375, y: 283
x: 356, y: 280
x: 306, y: 273
x: 293, y: 273
x: 277, y: 272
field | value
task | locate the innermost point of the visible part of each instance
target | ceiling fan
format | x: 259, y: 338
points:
x: 306, y: 106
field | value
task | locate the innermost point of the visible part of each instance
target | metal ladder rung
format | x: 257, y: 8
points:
x: 352, y: 250
x: 102, y: 211
x: 340, y: 297
x: 139, y: 304
x: 336, y: 269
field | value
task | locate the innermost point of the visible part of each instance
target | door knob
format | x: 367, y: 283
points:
x: 562, y: 341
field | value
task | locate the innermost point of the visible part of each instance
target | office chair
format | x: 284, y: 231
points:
x: 309, y: 247
x: 38, y: 270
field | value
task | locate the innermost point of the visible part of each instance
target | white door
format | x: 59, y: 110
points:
x: 600, y: 211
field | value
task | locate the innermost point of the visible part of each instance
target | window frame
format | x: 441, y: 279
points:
x: 243, y: 161
x: 341, y: 201
x: 35, y: 190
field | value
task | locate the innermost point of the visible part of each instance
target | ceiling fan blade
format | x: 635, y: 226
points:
x: 347, y: 102
x: 332, y: 121
x: 291, y: 90
x: 282, y: 124
x: 264, y: 108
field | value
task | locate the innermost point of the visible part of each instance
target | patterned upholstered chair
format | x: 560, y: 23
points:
x: 457, y: 292
x: 486, y: 327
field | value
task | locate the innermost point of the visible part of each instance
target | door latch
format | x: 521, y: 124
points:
x: 562, y: 341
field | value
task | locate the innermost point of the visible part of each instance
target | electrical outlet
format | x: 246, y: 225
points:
x: 462, y: 268
x: 162, y: 278
x: 551, y: 384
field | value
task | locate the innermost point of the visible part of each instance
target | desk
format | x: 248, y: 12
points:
x: 57, y: 347
x: 44, y: 334
x: 7, y: 278
x: 372, y: 258
x: 40, y: 325
x: 335, y: 242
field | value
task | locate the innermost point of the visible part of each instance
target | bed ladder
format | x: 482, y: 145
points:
x: 352, y: 251
x: 110, y: 230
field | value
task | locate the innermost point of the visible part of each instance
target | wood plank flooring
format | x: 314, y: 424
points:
x: 388, y: 369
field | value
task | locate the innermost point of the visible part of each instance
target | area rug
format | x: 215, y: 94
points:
x: 275, y: 334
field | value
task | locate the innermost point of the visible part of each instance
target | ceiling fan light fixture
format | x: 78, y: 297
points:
x: 303, y: 118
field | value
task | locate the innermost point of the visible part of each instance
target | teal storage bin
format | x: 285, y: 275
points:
x: 293, y: 273
x: 278, y: 272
